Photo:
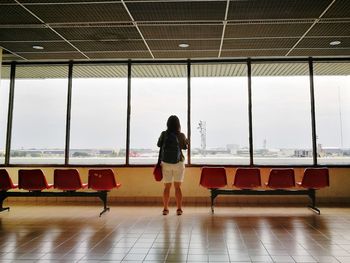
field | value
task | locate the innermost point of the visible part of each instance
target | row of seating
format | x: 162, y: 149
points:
x: 249, y: 178
x: 280, y: 182
x: 64, y: 179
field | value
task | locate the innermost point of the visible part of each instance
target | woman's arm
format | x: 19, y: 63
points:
x: 160, y: 140
x: 184, y: 142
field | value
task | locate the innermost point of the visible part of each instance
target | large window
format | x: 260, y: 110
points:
x: 98, y: 116
x: 39, y: 115
x: 158, y: 91
x: 219, y: 114
x: 332, y: 96
x: 281, y: 114
x: 4, y: 100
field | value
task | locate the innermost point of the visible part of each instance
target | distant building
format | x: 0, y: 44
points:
x: 303, y: 153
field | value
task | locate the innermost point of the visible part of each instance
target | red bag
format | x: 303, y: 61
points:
x: 157, y: 172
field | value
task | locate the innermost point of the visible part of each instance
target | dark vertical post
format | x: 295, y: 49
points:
x: 250, y: 114
x: 189, y: 110
x: 127, y: 151
x: 313, y: 118
x: 10, y: 113
x: 69, y: 108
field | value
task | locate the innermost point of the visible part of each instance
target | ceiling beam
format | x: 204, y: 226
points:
x: 138, y: 29
x: 224, y: 27
x: 13, y: 53
x: 308, y: 30
x: 49, y: 27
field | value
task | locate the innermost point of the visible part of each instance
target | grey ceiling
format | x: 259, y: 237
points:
x: 146, y: 29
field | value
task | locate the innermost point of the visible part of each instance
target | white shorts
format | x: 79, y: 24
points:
x: 173, y: 172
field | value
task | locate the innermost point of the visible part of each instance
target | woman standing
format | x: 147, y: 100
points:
x: 172, y: 141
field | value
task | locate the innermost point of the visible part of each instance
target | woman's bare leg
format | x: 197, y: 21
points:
x: 178, y: 195
x: 166, y: 195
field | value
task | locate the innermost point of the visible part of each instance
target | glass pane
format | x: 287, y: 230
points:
x: 158, y: 91
x: 332, y: 96
x: 219, y: 114
x: 282, y: 131
x: 39, y: 115
x: 98, y: 115
x: 4, y: 102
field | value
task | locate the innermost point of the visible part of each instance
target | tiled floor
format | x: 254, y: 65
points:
x: 75, y: 233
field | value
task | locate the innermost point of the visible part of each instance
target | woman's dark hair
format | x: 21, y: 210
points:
x: 173, y: 124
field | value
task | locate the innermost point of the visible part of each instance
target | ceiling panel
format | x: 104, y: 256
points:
x: 181, y: 31
x: 324, y: 43
x: 118, y: 55
x: 218, y: 70
x: 159, y: 71
x: 253, y: 53
x: 52, y: 56
x: 110, y: 45
x: 63, y: 1
x: 28, y: 46
x: 15, y: 14
x: 100, y: 71
x: 177, y: 11
x: 266, y: 30
x: 27, y: 34
x: 276, y: 9
x: 320, y: 52
x: 42, y: 71
x: 331, y: 68
x: 185, y: 54
x: 5, y: 72
x: 174, y: 45
x: 68, y: 13
x: 331, y: 29
x: 280, y: 69
x: 340, y: 9
x: 98, y: 33
x: 259, y: 43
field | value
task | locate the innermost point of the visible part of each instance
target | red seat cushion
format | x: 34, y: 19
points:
x: 67, y: 179
x: 247, y: 178
x: 213, y: 177
x: 315, y: 178
x: 281, y: 178
x: 102, y: 180
x: 32, y: 180
x: 5, y: 181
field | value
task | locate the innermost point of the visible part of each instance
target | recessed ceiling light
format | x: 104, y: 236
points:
x: 335, y: 43
x: 38, y: 47
x: 184, y: 45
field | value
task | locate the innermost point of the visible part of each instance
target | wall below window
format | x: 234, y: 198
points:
x: 138, y: 186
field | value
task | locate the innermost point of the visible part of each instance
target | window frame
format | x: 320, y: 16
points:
x: 189, y: 62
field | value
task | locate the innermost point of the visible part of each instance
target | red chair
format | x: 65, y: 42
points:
x: 281, y: 179
x: 68, y: 180
x: 213, y: 177
x: 102, y: 180
x: 315, y: 178
x: 247, y: 178
x: 32, y: 180
x: 5, y: 181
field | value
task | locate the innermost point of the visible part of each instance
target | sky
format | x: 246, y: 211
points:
x: 281, y: 111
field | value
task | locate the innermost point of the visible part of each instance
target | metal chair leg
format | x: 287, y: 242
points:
x: 103, y: 197
x: 4, y: 209
x: 104, y: 211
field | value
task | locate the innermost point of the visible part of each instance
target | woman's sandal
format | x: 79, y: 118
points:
x: 179, y: 212
x: 165, y: 212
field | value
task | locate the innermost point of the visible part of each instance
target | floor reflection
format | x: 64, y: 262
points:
x: 142, y: 234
